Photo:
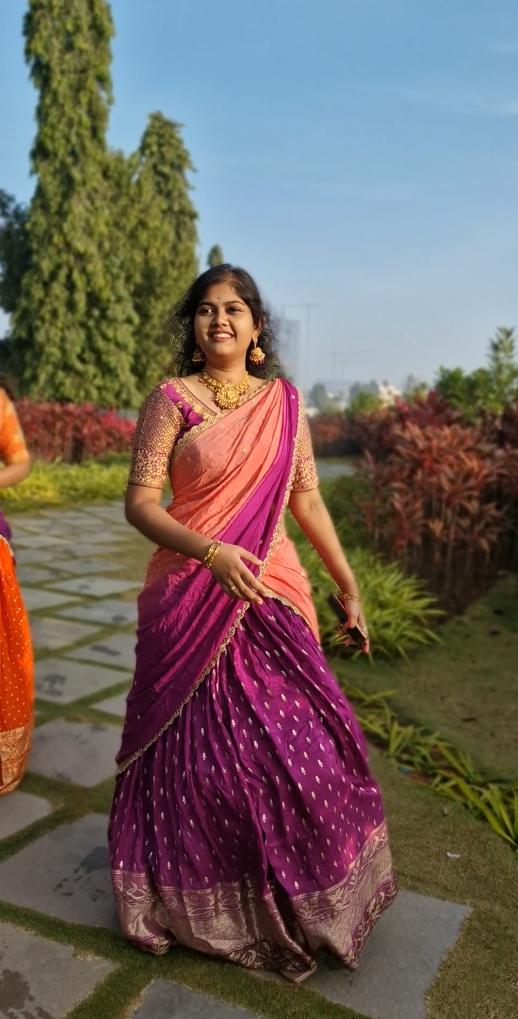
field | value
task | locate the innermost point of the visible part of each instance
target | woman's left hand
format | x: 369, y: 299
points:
x: 355, y: 617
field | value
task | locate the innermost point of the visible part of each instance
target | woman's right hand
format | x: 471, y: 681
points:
x: 235, y: 578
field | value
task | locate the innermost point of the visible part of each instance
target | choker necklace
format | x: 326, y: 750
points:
x: 226, y: 395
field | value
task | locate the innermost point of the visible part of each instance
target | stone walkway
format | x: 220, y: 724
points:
x: 79, y: 574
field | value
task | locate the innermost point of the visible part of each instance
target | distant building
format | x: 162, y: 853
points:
x: 289, y: 339
x: 388, y: 394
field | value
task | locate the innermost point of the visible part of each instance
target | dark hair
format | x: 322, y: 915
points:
x: 181, y: 324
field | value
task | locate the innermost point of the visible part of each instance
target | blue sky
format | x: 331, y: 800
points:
x: 359, y: 154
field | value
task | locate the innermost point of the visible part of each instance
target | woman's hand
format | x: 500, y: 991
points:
x: 235, y: 578
x: 355, y: 617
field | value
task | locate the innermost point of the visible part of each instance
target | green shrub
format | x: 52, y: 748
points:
x: 399, y: 612
x: 57, y: 484
x: 445, y: 768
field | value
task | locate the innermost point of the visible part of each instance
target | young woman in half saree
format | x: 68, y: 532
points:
x: 16, y: 666
x: 245, y: 822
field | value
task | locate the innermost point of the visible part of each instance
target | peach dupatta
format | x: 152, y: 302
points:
x: 231, y: 478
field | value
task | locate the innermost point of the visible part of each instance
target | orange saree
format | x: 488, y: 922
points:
x: 16, y: 666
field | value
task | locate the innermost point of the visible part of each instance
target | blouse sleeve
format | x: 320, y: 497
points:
x: 306, y: 477
x: 158, y: 427
x: 12, y: 443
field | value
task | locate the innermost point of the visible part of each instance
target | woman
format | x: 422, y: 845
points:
x: 16, y: 668
x: 245, y: 822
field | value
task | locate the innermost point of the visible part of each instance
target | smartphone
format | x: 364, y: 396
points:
x: 357, y: 635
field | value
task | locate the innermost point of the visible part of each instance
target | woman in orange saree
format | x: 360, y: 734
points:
x: 16, y: 668
x: 245, y: 823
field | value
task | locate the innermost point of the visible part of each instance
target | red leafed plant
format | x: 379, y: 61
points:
x: 442, y: 501
x: 72, y: 432
x: 344, y: 434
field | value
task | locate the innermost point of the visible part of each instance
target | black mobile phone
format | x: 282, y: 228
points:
x: 356, y: 634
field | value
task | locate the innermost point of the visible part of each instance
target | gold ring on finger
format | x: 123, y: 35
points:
x: 233, y: 588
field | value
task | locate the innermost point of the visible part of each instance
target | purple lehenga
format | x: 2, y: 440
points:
x: 245, y: 822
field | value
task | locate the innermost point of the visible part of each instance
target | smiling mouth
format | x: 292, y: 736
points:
x: 220, y: 337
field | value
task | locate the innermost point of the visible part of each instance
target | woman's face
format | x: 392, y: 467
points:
x: 223, y: 325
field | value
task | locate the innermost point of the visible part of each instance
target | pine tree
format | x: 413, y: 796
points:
x: 161, y: 239
x: 73, y: 327
x: 215, y: 256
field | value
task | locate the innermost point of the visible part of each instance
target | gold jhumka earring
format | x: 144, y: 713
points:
x: 256, y: 355
x: 198, y: 357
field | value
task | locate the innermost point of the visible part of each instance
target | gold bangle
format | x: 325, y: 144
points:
x: 349, y: 597
x: 211, y: 554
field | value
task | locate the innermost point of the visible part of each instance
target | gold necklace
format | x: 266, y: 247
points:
x: 226, y: 395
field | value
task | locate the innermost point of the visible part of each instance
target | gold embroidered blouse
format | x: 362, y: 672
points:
x: 159, y: 424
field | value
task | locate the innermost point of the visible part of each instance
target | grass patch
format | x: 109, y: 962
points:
x: 465, y: 687
x: 59, y: 484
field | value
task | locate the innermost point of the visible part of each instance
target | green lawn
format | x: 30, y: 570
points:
x: 467, y: 687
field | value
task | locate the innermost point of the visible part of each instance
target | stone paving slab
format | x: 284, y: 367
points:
x: 93, y: 565
x: 103, y: 536
x: 52, y: 634
x: 26, y: 522
x: 95, y: 587
x: 163, y: 1000
x: 118, y: 650
x: 400, y: 960
x: 76, y: 752
x: 63, y: 680
x: 83, y: 549
x: 38, y: 541
x: 40, y: 574
x: 110, y: 612
x: 114, y: 512
x: 40, y: 979
x: 65, y: 873
x: 35, y: 556
x: 36, y: 598
x: 18, y: 810
x: 70, y: 518
x: 114, y: 705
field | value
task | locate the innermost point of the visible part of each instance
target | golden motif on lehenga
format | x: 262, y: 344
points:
x: 237, y: 921
x: 15, y: 747
x: 276, y: 537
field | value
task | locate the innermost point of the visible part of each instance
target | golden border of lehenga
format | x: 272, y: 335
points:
x: 15, y: 746
x: 276, y: 536
x: 238, y: 921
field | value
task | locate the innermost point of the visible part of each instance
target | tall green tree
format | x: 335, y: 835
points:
x: 14, y: 251
x: 73, y: 325
x: 215, y: 256
x: 159, y: 219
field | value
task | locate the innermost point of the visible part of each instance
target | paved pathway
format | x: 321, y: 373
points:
x: 80, y: 570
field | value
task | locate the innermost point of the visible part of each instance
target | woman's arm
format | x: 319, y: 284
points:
x: 14, y: 473
x: 311, y: 514
x: 143, y: 511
